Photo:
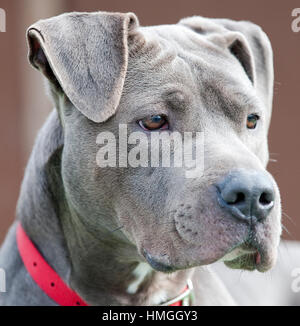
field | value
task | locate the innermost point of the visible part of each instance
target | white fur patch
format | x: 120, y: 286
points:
x: 140, y: 272
x: 159, y: 297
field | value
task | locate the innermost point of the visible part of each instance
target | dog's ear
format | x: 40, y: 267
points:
x: 248, y: 43
x: 86, y: 54
x: 239, y: 47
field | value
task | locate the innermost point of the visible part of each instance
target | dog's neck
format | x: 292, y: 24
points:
x: 100, y: 266
x: 105, y: 270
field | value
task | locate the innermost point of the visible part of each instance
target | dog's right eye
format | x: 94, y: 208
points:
x: 252, y: 121
x: 154, y: 122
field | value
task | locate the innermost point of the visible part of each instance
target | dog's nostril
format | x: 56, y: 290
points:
x: 232, y: 196
x: 240, y: 197
x: 265, y: 199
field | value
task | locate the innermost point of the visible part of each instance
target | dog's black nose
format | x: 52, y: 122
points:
x: 248, y: 195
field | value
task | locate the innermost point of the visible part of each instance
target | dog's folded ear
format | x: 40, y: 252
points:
x: 248, y: 43
x: 239, y: 47
x: 86, y: 54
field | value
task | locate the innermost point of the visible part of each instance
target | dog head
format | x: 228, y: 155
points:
x: 213, y: 76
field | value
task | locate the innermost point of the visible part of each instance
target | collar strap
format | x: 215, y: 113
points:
x: 183, y: 299
x: 53, y: 285
x: 43, y: 274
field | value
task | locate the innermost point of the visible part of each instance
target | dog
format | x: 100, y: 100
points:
x: 145, y: 235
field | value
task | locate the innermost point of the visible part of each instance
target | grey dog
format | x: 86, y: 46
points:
x: 135, y: 235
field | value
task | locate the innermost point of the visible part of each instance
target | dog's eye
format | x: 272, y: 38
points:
x: 252, y: 121
x: 154, y: 122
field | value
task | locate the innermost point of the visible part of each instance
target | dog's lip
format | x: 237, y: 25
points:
x: 261, y: 261
x: 238, y: 252
x: 249, y: 256
x: 156, y: 264
x: 253, y: 254
x: 260, y: 256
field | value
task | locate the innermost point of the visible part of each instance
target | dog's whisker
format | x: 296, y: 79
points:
x: 289, y: 218
x: 273, y: 160
x: 287, y: 231
x: 117, y: 229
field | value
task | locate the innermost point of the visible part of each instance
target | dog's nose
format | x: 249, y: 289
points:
x: 248, y: 195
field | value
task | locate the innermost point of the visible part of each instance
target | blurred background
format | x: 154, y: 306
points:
x: 24, y: 105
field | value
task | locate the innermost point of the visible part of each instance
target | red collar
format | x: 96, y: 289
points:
x: 51, y: 283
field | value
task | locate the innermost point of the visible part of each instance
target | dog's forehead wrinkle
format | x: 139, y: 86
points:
x: 231, y: 98
x: 178, y: 99
x: 159, y: 79
x: 183, y: 37
x: 180, y: 41
x: 156, y: 71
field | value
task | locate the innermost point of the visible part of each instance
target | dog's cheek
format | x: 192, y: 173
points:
x: 262, y: 152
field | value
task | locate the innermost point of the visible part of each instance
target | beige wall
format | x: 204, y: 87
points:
x: 24, y: 106
x: 23, y: 103
x: 34, y: 108
x: 10, y: 123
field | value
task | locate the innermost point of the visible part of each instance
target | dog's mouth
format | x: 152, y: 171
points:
x: 244, y: 257
x: 250, y: 254
x: 247, y: 257
x: 157, y: 265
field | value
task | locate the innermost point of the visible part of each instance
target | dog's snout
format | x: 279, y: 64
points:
x: 248, y: 195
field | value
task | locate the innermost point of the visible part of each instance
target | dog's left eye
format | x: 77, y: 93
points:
x: 252, y: 121
x: 154, y: 122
